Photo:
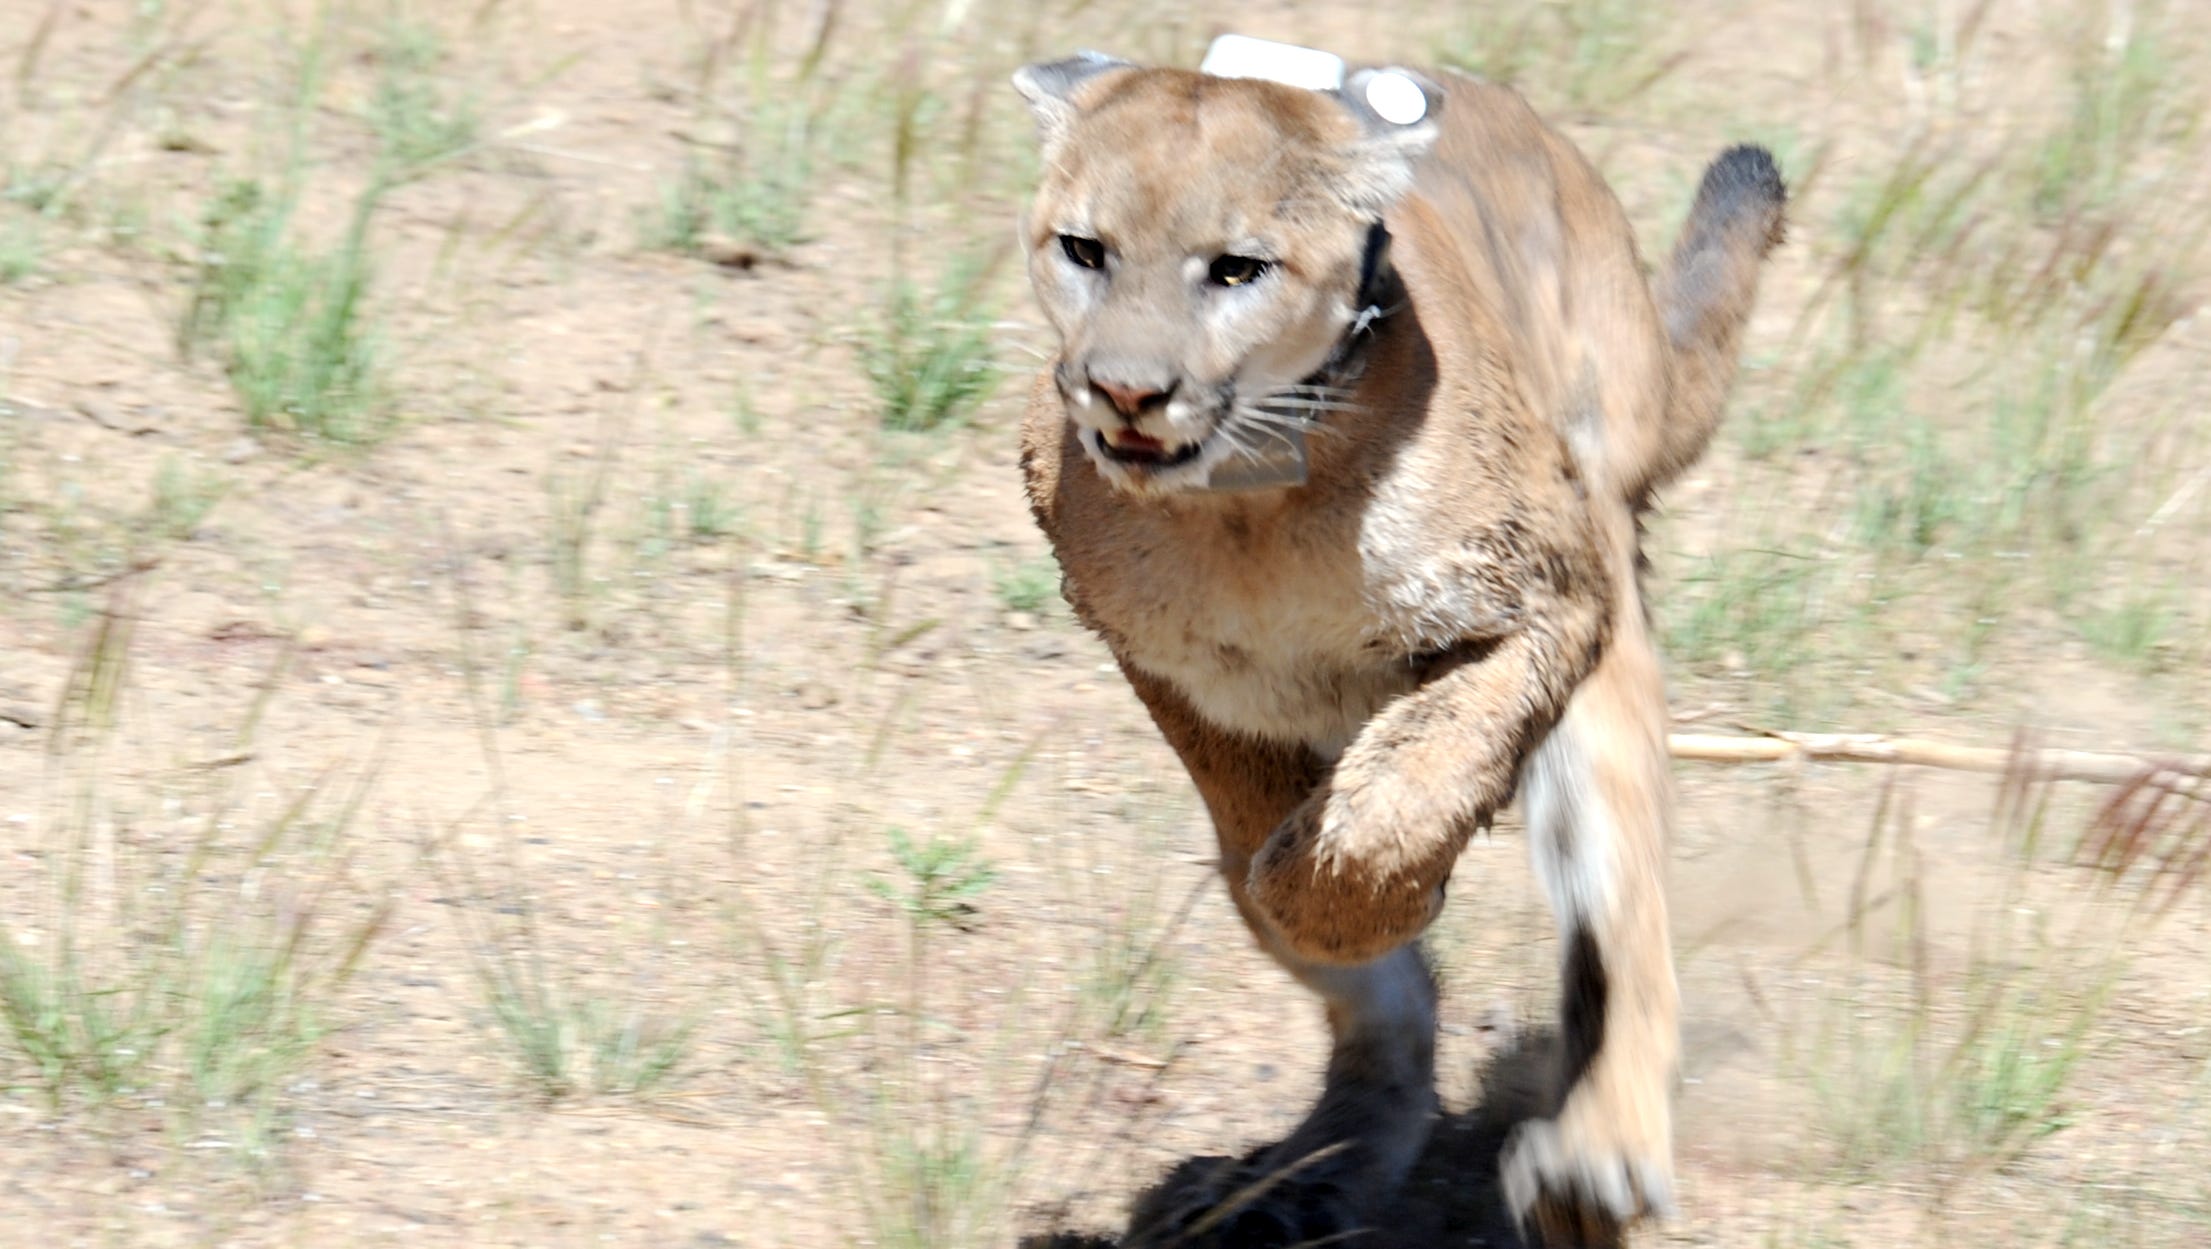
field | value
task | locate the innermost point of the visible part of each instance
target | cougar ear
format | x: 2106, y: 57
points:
x: 1396, y: 110
x: 1049, y: 87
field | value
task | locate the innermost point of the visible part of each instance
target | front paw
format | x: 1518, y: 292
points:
x: 1578, y: 1181
x: 1330, y: 903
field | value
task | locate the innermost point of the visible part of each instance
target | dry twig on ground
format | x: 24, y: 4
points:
x: 2185, y: 776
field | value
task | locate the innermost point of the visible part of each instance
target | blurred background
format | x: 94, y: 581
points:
x: 532, y: 711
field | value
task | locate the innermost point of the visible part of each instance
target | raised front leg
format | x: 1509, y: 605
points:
x: 1358, y: 869
x: 1353, y: 1150
x: 1598, y: 800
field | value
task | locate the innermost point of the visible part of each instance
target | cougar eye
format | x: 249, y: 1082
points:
x: 1234, y: 270
x: 1089, y: 253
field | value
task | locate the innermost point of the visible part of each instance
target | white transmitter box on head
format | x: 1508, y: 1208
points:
x: 1394, y: 97
x: 1241, y: 56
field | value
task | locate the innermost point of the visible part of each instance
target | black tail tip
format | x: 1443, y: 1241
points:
x: 1747, y: 170
x: 1745, y: 183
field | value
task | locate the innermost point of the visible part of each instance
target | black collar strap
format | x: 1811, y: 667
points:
x: 1378, y: 293
x: 1373, y: 271
x: 1280, y: 460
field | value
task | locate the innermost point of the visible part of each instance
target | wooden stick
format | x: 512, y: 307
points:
x: 2186, y: 775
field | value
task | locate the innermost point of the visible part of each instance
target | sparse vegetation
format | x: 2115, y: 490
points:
x: 941, y: 874
x: 290, y: 326
x: 756, y: 194
x: 1972, y: 488
x: 2122, y: 102
x: 788, y: 837
x: 930, y: 356
x: 193, y: 934
x: 1966, y: 1074
x: 564, y: 1034
x: 419, y: 121
x: 709, y: 514
x: 574, y: 499
x: 929, y: 1176
x: 1133, y: 968
x: 22, y: 247
x: 1030, y: 585
x: 289, y: 316
x: 566, y: 1040
x: 1585, y: 54
x: 183, y: 497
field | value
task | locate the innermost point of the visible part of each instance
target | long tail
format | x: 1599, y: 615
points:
x: 1706, y: 295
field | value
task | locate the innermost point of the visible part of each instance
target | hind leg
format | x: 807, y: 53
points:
x: 1378, y: 1101
x: 1598, y: 798
x: 1351, y: 1153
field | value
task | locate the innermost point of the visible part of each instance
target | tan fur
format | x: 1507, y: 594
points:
x: 1355, y: 670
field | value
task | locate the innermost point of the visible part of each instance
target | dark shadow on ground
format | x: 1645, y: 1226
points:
x: 1454, y: 1197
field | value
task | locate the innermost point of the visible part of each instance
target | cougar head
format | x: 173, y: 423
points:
x: 1199, y: 244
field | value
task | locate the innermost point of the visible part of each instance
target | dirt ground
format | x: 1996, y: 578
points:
x: 636, y: 687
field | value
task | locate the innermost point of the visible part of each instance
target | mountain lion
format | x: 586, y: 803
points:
x: 1361, y: 396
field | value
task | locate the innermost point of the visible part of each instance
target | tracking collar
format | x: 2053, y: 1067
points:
x: 1378, y: 286
x: 1280, y: 458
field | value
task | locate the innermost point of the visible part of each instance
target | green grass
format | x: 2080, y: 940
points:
x: 1030, y: 586
x: 1963, y: 1070
x: 82, y: 529
x: 909, y: 1068
x: 574, y: 500
x: 564, y: 1035
x: 931, y: 355
x: 419, y: 122
x: 744, y: 411
x: 289, y: 323
x: 183, y: 498
x: 253, y: 1024
x: 1902, y: 1084
x: 1132, y: 970
x: 2135, y: 626
x: 198, y: 925
x: 938, y: 1185
x: 287, y: 314
x: 710, y: 514
x: 1933, y: 462
x: 1129, y: 986
x: 2122, y: 102
x: 566, y: 1030
x: 22, y: 246
x: 1761, y: 610
x: 755, y: 194
x: 937, y: 878
x: 929, y: 1176
x: 1585, y: 55
x: 565, y: 1040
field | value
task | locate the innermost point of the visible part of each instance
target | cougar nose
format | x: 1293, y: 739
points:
x: 1133, y: 401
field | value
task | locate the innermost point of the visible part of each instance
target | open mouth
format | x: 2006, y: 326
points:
x: 1126, y: 446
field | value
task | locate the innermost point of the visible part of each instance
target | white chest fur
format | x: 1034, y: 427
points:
x: 1270, y: 639
x: 1273, y: 680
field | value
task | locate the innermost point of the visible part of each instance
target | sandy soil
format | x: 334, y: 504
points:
x: 676, y: 803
